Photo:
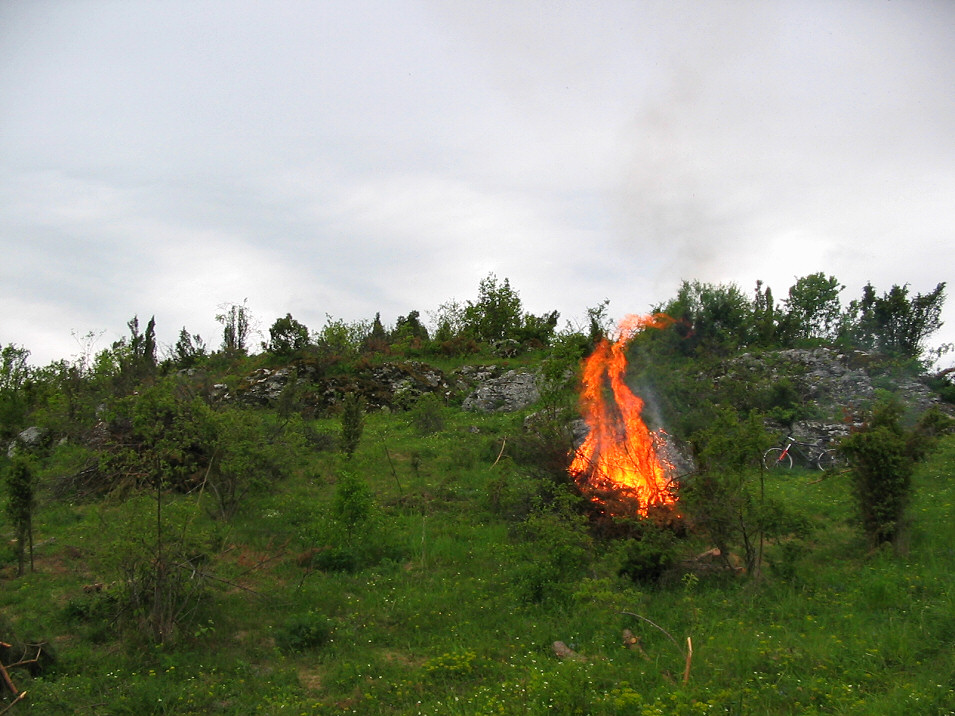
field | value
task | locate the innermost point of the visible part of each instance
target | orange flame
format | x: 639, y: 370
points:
x: 620, y: 455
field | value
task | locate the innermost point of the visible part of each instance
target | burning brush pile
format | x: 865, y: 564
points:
x: 622, y: 466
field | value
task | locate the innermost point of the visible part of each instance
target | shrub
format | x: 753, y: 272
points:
x: 426, y: 415
x: 20, y: 508
x: 304, y: 631
x: 723, y: 498
x: 353, y: 423
x: 649, y: 554
x: 883, y: 456
x: 353, y: 501
x: 557, y: 550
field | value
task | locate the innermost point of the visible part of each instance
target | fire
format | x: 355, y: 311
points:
x: 620, y: 455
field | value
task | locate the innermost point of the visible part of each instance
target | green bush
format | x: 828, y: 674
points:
x: 724, y: 498
x: 650, y: 554
x: 882, y: 455
x: 426, y: 416
x: 353, y: 423
x: 304, y: 631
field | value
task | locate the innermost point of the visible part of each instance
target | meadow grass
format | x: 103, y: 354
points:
x: 452, y: 605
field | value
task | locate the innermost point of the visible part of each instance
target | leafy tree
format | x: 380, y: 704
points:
x: 497, y: 312
x: 287, y: 336
x: 765, y: 317
x: 538, y: 330
x: 142, y: 346
x: 20, y: 508
x: 236, y: 325
x: 451, y: 335
x: 160, y: 438
x: 813, y: 307
x: 409, y: 330
x: 896, y: 323
x: 448, y: 320
x: 710, y: 318
x: 14, y: 377
x: 353, y: 501
x: 246, y: 454
x: 377, y: 340
x: 189, y: 349
x: 426, y: 414
x: 599, y: 323
x: 340, y: 340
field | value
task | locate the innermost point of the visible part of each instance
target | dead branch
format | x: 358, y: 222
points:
x: 393, y: 471
x: 503, y: 444
x: 689, y: 658
x: 7, y: 681
x: 34, y: 660
x: 654, y: 624
x: 19, y: 697
x: 688, y: 654
x: 186, y: 566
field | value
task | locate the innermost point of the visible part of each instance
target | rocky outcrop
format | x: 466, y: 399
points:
x: 389, y: 385
x: 835, y: 387
x: 508, y: 393
x: 839, y: 386
x: 30, y: 439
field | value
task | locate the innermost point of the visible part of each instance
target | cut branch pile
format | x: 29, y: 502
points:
x: 6, y: 682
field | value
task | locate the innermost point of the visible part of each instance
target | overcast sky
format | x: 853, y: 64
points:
x: 347, y: 158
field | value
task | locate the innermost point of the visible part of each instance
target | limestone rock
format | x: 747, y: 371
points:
x: 512, y: 391
x: 31, y: 438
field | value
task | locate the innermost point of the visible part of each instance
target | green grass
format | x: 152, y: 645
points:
x: 439, y: 618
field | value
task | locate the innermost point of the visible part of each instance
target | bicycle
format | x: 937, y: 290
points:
x: 782, y: 457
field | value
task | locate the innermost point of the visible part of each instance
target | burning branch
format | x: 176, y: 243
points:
x: 620, y: 453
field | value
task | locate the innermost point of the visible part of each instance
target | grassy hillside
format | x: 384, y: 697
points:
x: 433, y: 572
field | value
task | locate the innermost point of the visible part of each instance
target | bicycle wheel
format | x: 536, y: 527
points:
x: 831, y: 460
x: 774, y: 459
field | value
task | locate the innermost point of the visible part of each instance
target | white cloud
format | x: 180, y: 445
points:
x: 377, y: 156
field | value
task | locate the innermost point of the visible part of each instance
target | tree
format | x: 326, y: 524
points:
x: 409, y: 328
x: 599, y: 323
x: 189, y: 349
x: 710, y: 318
x: 813, y: 307
x: 377, y: 339
x: 451, y: 334
x: 20, y: 507
x: 765, y: 316
x: 142, y: 346
x: 14, y: 376
x: 287, y: 336
x: 130, y: 360
x: 895, y: 323
x: 449, y: 321
x: 247, y: 454
x: 236, y: 325
x: 497, y: 312
x: 538, y: 330
x: 340, y: 340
